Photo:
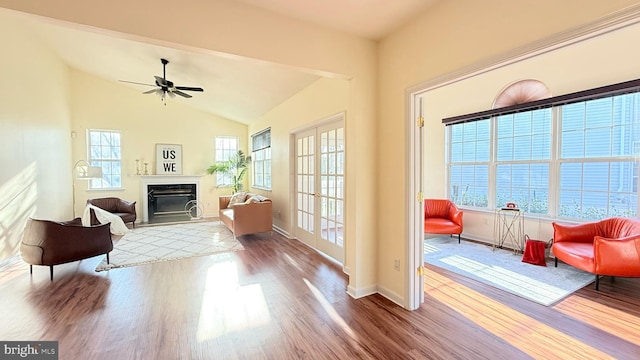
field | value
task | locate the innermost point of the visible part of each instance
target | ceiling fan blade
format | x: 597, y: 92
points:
x: 160, y: 81
x: 176, y: 91
x: 133, y: 82
x: 187, y: 88
x: 150, y: 91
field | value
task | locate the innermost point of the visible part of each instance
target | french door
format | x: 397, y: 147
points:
x: 319, y: 219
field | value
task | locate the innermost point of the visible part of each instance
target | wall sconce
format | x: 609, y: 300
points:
x: 83, y: 171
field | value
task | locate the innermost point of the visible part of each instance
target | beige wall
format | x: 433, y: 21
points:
x: 562, y: 74
x: 451, y: 35
x: 144, y: 122
x: 448, y: 37
x: 35, y: 149
x: 318, y: 101
x: 234, y: 28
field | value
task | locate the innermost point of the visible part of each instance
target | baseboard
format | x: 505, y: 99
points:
x: 346, y: 270
x: 392, y: 296
x: 360, y: 293
x: 281, y: 231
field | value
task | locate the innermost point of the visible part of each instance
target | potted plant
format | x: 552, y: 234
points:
x: 235, y: 167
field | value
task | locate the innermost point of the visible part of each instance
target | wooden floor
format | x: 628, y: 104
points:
x: 278, y: 299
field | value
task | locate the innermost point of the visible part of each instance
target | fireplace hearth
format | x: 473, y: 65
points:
x: 170, y: 198
x: 168, y: 203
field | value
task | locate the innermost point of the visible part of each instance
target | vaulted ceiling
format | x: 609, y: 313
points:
x: 228, y: 81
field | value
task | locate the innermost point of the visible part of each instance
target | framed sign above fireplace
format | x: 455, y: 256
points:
x: 168, y: 159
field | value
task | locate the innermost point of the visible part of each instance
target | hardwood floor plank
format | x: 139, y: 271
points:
x: 279, y: 299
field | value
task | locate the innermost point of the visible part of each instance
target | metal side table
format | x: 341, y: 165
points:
x: 509, y: 228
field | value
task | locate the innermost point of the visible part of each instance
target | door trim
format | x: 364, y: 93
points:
x: 341, y: 116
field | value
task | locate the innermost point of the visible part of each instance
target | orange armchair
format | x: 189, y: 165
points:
x: 609, y: 247
x: 441, y: 216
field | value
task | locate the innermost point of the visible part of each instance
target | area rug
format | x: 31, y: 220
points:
x: 152, y: 244
x: 505, y: 270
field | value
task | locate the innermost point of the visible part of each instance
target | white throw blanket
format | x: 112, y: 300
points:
x: 117, y: 225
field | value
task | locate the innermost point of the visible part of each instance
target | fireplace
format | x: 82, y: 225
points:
x: 169, y: 202
x: 169, y: 198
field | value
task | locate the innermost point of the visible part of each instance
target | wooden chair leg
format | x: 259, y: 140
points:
x: 51, y: 271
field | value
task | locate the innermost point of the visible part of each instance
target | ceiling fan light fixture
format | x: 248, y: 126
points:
x: 165, y: 86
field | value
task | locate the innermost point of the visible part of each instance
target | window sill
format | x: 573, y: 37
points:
x: 106, y: 189
x: 261, y: 188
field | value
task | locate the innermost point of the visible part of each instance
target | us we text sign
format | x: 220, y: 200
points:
x: 168, y: 159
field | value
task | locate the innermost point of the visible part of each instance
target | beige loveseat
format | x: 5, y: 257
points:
x: 246, y: 213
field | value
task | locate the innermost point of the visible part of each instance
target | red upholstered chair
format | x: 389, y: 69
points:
x: 441, y: 216
x: 607, y: 247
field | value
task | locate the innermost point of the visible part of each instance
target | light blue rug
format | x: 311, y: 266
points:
x: 505, y: 270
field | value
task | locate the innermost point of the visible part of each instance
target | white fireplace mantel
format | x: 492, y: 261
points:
x: 146, y: 180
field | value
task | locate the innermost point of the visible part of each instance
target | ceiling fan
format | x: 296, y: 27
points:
x: 164, y: 86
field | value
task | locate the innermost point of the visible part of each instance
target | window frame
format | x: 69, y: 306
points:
x: 618, y: 164
x: 261, y: 160
x: 108, y: 172
x: 225, y: 180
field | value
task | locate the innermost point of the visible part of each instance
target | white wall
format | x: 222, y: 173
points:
x: 35, y: 149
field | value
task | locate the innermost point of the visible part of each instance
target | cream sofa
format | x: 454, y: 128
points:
x: 246, y: 213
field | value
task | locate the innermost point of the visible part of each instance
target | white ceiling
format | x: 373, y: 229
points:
x: 228, y: 82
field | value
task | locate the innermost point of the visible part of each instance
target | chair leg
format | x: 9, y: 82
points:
x: 51, y: 271
x: 107, y: 258
x: 31, y: 269
x: 597, y: 282
x: 556, y: 262
x: 458, y: 238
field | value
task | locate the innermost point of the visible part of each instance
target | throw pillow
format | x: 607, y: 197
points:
x: 253, y: 199
x: 238, y: 198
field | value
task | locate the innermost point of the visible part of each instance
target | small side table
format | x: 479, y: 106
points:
x: 509, y: 227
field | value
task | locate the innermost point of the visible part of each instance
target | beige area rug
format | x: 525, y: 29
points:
x: 152, y: 244
x: 503, y: 269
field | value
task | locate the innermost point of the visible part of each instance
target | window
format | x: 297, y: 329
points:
x: 523, y: 153
x: 469, y: 163
x: 225, y: 148
x: 577, y: 160
x: 104, y: 152
x: 261, y: 159
x: 596, y: 158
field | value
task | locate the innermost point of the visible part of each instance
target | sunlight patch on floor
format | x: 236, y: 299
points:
x: 293, y: 262
x: 619, y: 323
x: 429, y: 248
x: 227, y: 306
x: 333, y: 314
x: 506, y: 278
x: 523, y: 332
